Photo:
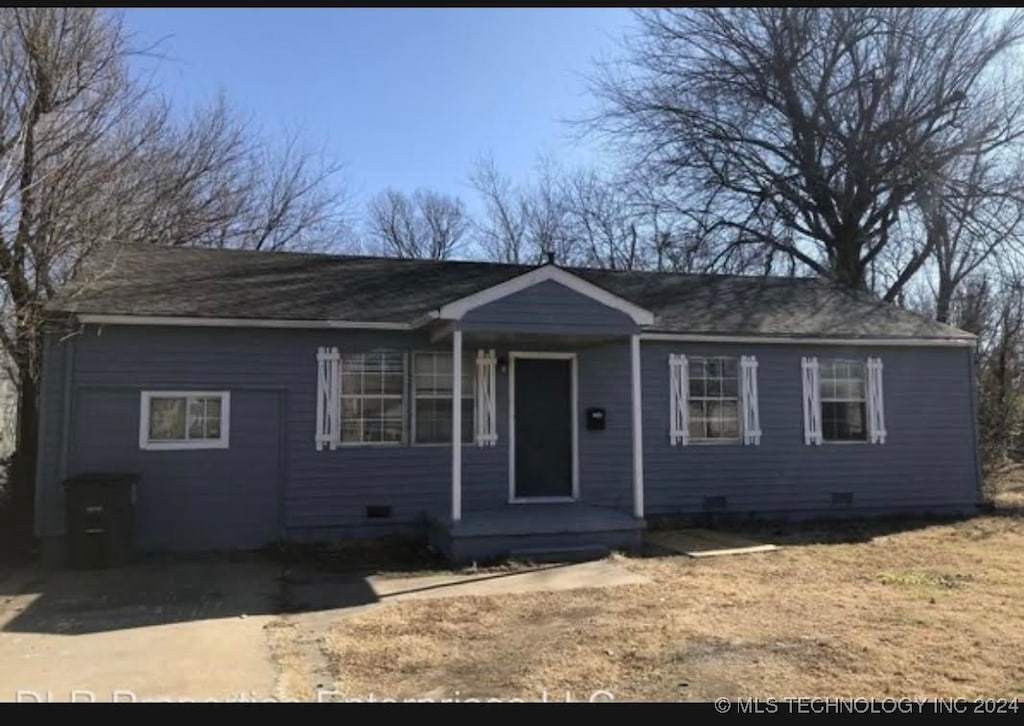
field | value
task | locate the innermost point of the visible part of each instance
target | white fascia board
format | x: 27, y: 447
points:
x: 196, y: 322
x: 791, y: 340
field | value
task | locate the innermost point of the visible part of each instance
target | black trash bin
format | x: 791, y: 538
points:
x: 100, y: 519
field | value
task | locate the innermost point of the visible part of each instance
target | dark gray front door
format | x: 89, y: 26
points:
x: 543, y: 421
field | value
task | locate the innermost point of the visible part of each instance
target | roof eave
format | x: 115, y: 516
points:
x: 969, y: 341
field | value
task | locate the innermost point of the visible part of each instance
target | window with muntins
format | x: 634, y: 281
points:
x: 372, y: 397
x: 184, y: 420
x: 714, y: 399
x: 432, y: 398
x: 843, y: 400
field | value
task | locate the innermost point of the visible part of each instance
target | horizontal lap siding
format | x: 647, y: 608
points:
x: 928, y: 459
x: 188, y: 500
x: 606, y: 457
x: 548, y: 308
x: 325, y: 490
x: 49, y: 499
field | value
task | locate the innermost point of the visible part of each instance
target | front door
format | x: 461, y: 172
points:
x: 543, y: 428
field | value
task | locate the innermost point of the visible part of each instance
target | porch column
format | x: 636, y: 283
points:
x: 456, y: 423
x: 638, y: 432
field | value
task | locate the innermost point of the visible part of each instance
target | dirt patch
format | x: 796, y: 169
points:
x: 926, y: 610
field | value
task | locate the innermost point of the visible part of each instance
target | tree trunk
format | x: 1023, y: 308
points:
x: 943, y: 299
x: 23, y: 462
x: 848, y: 269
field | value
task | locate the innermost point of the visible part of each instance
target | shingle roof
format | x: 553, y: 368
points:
x: 194, y: 282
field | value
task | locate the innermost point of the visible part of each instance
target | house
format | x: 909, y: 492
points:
x: 508, y: 408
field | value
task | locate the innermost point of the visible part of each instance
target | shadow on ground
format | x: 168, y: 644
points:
x: 34, y: 599
x: 159, y: 591
x: 73, y: 602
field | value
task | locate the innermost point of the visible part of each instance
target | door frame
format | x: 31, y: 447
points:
x: 574, y: 404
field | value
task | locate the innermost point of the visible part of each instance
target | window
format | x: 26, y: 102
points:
x: 184, y: 420
x: 432, y: 393
x: 713, y: 399
x: 372, y: 397
x: 843, y: 400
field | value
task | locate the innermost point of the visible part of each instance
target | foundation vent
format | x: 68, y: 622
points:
x: 715, y: 504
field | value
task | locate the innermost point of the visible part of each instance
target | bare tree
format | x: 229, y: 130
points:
x: 604, y: 222
x: 980, y: 214
x: 1000, y: 366
x: 393, y: 225
x: 445, y: 221
x: 89, y: 158
x: 546, y: 211
x: 808, y: 132
x: 524, y: 223
x: 426, y: 226
x: 503, y: 232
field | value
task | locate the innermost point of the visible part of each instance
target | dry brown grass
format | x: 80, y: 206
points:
x: 927, y: 612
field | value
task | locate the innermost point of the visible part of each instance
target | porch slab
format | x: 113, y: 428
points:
x: 516, y: 519
x: 542, y: 531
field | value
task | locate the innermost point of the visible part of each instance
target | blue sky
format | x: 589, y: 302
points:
x: 404, y: 97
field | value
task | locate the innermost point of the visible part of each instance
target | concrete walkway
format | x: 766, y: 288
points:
x: 544, y: 578
x: 320, y: 597
x: 181, y: 632
x: 706, y: 543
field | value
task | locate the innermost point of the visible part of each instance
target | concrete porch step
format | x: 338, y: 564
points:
x: 540, y: 532
x: 574, y: 553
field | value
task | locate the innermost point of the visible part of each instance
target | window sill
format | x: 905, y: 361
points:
x: 183, y: 445
x: 438, y: 445
x: 715, y: 442
x: 858, y: 442
x: 371, y: 445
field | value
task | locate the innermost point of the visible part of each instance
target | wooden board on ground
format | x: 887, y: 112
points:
x: 706, y: 543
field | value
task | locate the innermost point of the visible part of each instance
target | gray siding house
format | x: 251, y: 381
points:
x: 503, y: 409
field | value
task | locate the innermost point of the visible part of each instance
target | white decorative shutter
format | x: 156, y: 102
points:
x: 748, y: 395
x: 328, y: 398
x: 486, y: 416
x: 812, y: 401
x: 679, y: 409
x: 876, y: 403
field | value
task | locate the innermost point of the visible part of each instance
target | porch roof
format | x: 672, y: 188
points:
x: 206, y: 285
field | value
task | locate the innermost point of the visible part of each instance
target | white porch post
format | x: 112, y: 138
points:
x: 638, y: 432
x: 456, y: 423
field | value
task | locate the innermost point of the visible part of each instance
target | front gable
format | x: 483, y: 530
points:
x: 548, y: 307
x: 547, y: 299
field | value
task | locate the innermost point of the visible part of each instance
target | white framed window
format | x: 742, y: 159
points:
x: 843, y: 401
x: 372, y: 396
x: 432, y: 398
x: 172, y: 420
x: 713, y: 400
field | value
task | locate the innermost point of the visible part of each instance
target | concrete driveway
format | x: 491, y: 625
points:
x: 163, y: 631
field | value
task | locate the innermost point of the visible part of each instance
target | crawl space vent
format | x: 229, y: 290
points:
x: 713, y: 504
x: 378, y: 511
